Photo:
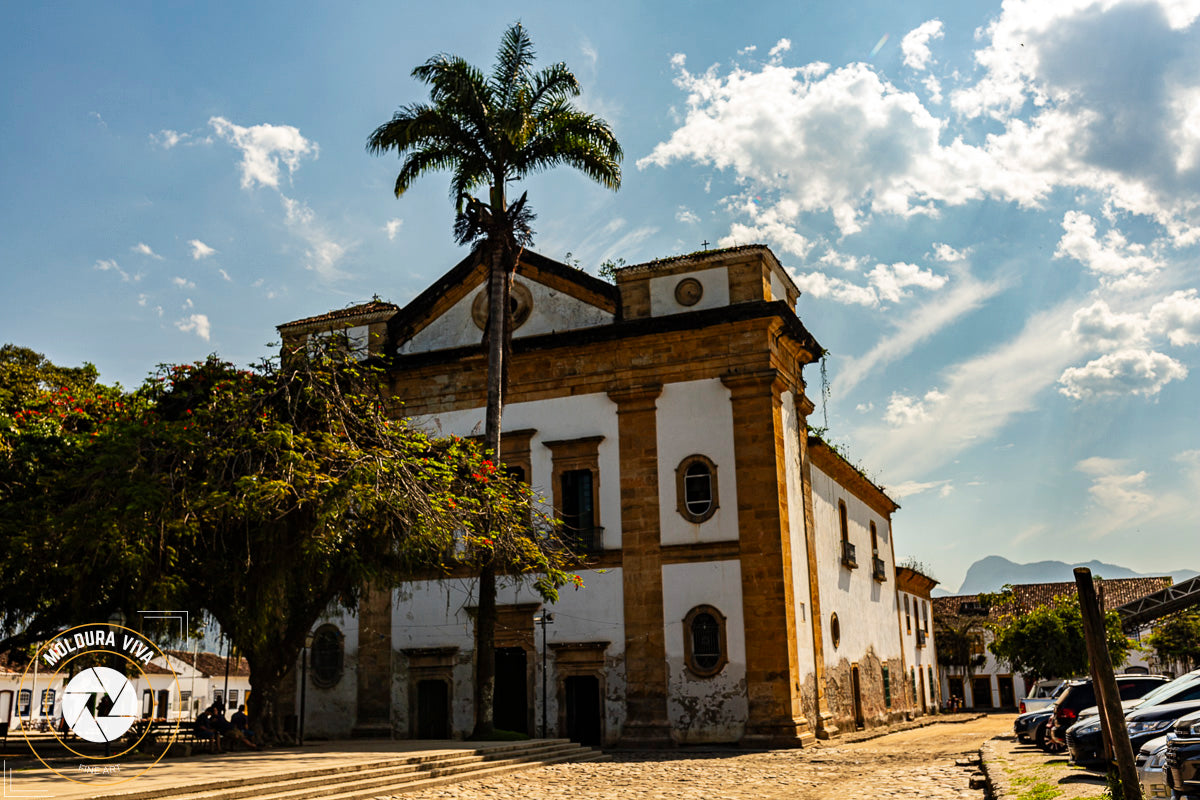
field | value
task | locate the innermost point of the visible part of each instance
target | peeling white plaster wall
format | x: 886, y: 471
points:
x: 801, y: 591
x: 710, y: 709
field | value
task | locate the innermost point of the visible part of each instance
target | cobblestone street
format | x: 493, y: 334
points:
x: 910, y: 764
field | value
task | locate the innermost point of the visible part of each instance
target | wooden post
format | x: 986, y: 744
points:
x: 1112, y: 718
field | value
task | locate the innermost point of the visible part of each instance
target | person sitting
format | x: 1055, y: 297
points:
x: 241, y: 722
x: 226, y: 728
x: 204, y: 728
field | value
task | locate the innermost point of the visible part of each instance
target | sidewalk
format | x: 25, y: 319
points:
x: 199, y: 769
x: 1016, y: 771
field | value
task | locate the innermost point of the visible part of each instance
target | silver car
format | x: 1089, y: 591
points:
x: 1150, y: 764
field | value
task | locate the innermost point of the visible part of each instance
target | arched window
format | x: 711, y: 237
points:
x: 696, y: 488
x: 705, y: 652
x: 326, y: 656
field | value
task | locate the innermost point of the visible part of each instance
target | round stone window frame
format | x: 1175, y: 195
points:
x: 688, y: 292
x: 519, y: 295
x: 681, y: 488
x: 835, y: 630
x: 689, y: 658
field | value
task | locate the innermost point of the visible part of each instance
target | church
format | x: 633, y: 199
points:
x: 741, y: 583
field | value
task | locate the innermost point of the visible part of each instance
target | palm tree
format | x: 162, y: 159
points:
x: 488, y: 132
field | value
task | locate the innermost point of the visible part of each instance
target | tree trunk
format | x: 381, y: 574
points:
x: 485, y: 613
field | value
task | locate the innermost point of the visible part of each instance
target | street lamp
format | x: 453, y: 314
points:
x: 545, y: 619
x: 308, y: 640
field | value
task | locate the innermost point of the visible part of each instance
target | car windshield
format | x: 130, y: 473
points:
x: 1168, y: 689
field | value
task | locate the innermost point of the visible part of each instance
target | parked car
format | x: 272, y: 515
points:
x: 1080, y: 694
x: 1143, y: 723
x: 1031, y: 726
x: 1183, y: 758
x: 1151, y: 761
x: 1042, y: 695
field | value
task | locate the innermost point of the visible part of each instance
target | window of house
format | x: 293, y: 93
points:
x: 874, y: 541
x: 887, y: 686
x: 925, y: 615
x: 233, y: 699
x: 705, y: 651
x: 576, y: 477
x: 219, y: 696
x: 843, y: 521
x: 907, y: 616
x: 835, y: 630
x: 849, y: 559
x: 47, y: 702
x: 696, y: 488
x: 24, y: 700
x: 326, y: 656
x: 577, y: 507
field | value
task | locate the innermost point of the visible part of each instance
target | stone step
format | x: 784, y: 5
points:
x: 443, y: 765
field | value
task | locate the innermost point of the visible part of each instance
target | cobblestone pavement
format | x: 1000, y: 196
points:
x: 1015, y: 769
x: 917, y: 763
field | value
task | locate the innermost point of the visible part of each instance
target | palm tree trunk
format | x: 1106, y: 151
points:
x: 485, y: 614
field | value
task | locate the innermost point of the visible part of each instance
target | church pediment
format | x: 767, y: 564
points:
x: 547, y: 297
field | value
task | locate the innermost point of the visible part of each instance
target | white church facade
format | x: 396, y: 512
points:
x: 741, y: 582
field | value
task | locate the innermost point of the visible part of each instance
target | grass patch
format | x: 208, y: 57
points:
x: 1040, y: 791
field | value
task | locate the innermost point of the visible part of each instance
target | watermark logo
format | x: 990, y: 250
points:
x: 105, y: 667
x: 100, y: 705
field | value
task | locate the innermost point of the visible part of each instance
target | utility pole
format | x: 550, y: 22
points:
x: 545, y: 619
x: 1112, y: 718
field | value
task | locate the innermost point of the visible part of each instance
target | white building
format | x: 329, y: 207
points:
x: 741, y: 582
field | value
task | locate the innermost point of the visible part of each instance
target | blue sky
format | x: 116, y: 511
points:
x: 993, y: 211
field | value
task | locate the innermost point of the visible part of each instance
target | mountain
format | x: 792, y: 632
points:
x: 991, y: 573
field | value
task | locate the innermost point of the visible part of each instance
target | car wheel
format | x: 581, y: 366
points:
x: 1039, y: 738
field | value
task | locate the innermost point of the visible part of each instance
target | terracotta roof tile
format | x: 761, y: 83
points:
x: 371, y: 307
x: 1116, y: 592
x: 699, y: 255
x: 211, y: 664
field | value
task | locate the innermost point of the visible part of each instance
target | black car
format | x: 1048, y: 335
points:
x: 1086, y: 743
x: 1031, y: 726
x: 1079, y: 695
x: 1183, y: 758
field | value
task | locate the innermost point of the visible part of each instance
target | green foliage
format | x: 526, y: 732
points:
x: 261, y: 496
x: 1048, y: 641
x: 1176, y: 638
x: 608, y: 269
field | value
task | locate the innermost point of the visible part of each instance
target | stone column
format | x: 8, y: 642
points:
x: 772, y: 666
x: 646, y: 723
x: 374, y: 711
x: 825, y: 727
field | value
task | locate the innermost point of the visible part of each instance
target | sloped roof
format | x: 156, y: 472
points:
x: 1114, y: 592
x: 211, y: 664
x: 361, y: 309
x: 699, y: 255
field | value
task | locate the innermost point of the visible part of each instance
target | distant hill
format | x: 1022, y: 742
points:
x: 992, y: 573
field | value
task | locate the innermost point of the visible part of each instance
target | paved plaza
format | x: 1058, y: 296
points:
x: 917, y: 763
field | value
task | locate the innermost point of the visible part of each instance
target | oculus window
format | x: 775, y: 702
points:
x: 696, y: 487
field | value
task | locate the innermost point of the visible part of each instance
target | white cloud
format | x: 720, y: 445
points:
x: 979, y: 397
x: 195, y: 323
x: 818, y: 284
x: 1125, y: 372
x: 167, y: 138
x: 934, y: 87
x: 1118, y: 496
x: 963, y: 297
x: 947, y: 254
x: 224, y: 274
x: 1097, y: 327
x: 781, y: 47
x: 200, y: 249
x: 1177, y: 317
x: 324, y: 252
x: 915, y: 45
x: 842, y: 142
x: 264, y: 149
x: 891, y: 280
x: 1117, y: 261
x: 99, y: 119
x: 886, y: 283
x: 750, y: 48
x: 110, y: 265
x: 903, y: 410
x: 686, y: 215
x: 141, y: 301
x: 183, y: 283
x: 392, y: 227
x: 144, y: 249
x: 910, y: 488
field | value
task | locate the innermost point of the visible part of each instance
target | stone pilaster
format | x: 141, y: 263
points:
x: 646, y: 723
x: 374, y: 710
x: 776, y: 717
x: 826, y: 728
